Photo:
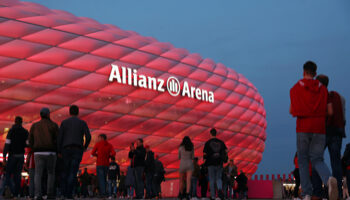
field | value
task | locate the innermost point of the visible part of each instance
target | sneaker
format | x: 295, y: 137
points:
x: 307, y: 197
x: 332, y: 188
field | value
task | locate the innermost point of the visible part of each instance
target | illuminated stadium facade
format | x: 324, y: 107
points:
x: 127, y: 86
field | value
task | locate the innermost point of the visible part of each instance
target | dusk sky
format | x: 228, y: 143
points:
x: 267, y: 41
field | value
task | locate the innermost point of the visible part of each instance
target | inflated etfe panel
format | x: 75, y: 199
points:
x: 128, y: 86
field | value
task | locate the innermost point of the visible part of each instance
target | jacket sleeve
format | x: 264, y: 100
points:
x: 60, y: 138
x: 87, y: 136
x: 31, y: 136
x: 7, y: 143
x: 131, y: 154
x: 94, y: 150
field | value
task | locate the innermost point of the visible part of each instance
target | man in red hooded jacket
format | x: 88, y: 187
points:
x: 309, y: 104
x: 103, y: 150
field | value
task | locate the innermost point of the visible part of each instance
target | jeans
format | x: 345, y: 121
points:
x: 227, y: 189
x: 139, y: 185
x: 101, y: 172
x: 310, y: 147
x: 215, y: 173
x: 31, y: 182
x: 317, y: 189
x: 112, y: 187
x: 71, y: 161
x: 194, y: 181
x: 334, y: 144
x: 43, y: 162
x: 14, y: 167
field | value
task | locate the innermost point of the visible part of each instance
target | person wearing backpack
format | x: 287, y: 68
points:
x: 215, y: 154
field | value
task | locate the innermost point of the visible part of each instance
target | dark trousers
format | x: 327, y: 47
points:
x: 149, y: 189
x: 102, y: 178
x: 139, y: 185
x: 71, y: 161
x: 156, y: 182
x: 334, y: 144
x: 204, y: 188
x: 297, y: 183
x: 14, y: 167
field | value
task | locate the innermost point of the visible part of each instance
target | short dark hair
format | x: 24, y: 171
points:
x: 323, y: 79
x: 310, y: 68
x: 112, y: 158
x: 213, y: 132
x: 104, y: 136
x: 18, y: 120
x: 141, y: 140
x: 74, y: 110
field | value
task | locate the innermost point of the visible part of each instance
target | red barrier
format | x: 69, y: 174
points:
x: 257, y: 189
x: 260, y: 189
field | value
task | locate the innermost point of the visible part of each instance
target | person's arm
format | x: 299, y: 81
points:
x: 94, y: 150
x: 87, y: 136
x: 179, y: 152
x: 290, y: 109
x: 329, y: 109
x: 7, y: 144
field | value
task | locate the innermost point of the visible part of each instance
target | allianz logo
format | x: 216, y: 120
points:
x: 129, y: 76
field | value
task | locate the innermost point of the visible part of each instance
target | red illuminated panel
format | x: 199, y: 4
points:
x: 51, y: 58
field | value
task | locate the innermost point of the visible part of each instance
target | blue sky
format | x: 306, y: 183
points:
x: 267, y: 41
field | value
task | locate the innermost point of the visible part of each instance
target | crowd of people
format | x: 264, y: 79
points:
x: 320, y: 124
x: 54, y: 154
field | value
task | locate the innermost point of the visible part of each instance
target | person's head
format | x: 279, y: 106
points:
x: 139, y: 142
x: 156, y: 156
x: 213, y: 132
x: 45, y: 113
x: 85, y: 170
x: 231, y: 162
x: 147, y: 148
x: 187, y: 143
x: 310, y: 69
x: 18, y: 120
x: 74, y: 110
x: 323, y: 79
x: 102, y: 137
x: 112, y: 158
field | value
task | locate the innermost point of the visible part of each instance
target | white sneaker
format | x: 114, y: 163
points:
x: 307, y: 197
x: 332, y: 188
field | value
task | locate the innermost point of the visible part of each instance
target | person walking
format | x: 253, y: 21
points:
x: 158, y: 177
x: 309, y: 105
x: 186, y: 156
x: 85, y: 180
x: 43, y: 141
x: 15, y: 148
x: 242, y: 188
x: 113, y: 175
x: 215, y: 154
x: 296, y: 177
x: 230, y: 172
x: 195, y: 176
x: 149, y: 172
x: 103, y: 150
x: 335, y: 130
x: 138, y: 155
x: 71, y: 145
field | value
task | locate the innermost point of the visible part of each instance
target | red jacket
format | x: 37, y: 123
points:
x: 103, y: 150
x: 309, y: 104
